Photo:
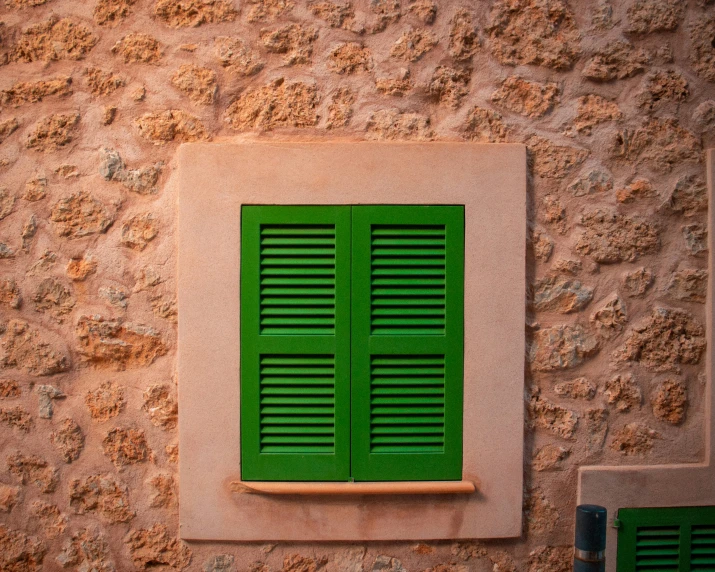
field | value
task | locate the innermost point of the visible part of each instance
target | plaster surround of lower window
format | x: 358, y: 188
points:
x: 215, y: 180
x: 662, y: 485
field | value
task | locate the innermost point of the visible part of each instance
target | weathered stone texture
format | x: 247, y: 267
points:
x: 593, y: 182
x: 54, y: 39
x: 389, y: 124
x: 702, y: 50
x: 616, y: 60
x: 68, y: 440
x: 634, y: 439
x: 276, y: 104
x: 171, y: 125
x: 689, y: 285
x: 551, y: 559
x: 540, y: 513
x: 53, y: 522
x: 79, y: 215
x: 450, y: 85
x: 336, y: 15
x: 636, y: 283
x: 539, y: 32
x: 16, y: 418
x: 609, y: 237
x: 19, y: 552
x: 27, y: 349
x: 292, y: 40
x: 593, y: 110
x: 528, y: 98
x: 560, y: 294
x: 666, y: 340
x: 87, y: 550
x: 53, y: 132
x: 550, y: 458
x: 647, y: 16
x: 33, y: 470
x: 164, y: 493
x: 196, y: 82
x: 553, y: 161
x: 340, y: 110
x: 101, y: 494
x: 579, y: 388
x: 32, y: 92
x: 236, y: 56
x: 154, y: 546
x: 7, y: 128
x: 161, y: 406
x: 561, y: 347
x: 350, y: 58
x: 610, y: 318
x: 554, y: 418
x: 622, y: 392
x: 696, y: 238
x: 192, y: 13
x: 266, y: 10
x: 126, y: 447
x: 662, y: 87
x: 413, y: 44
x: 138, y: 48
x: 485, y: 126
x: 689, y: 196
x: 463, y: 38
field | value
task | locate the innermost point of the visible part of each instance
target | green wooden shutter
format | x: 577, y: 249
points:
x: 295, y: 343
x: 666, y: 539
x: 407, y: 342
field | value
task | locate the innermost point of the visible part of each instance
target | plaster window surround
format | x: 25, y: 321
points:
x: 215, y: 180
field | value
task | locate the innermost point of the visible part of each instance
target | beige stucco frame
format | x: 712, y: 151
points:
x: 215, y: 179
x: 662, y: 485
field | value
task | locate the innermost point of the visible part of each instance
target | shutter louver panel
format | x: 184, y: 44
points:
x: 407, y: 279
x: 657, y: 548
x: 702, y: 548
x: 297, y: 295
x: 407, y: 404
x: 297, y: 408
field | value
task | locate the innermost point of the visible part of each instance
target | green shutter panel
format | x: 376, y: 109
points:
x: 666, y: 539
x: 295, y: 343
x: 407, y: 342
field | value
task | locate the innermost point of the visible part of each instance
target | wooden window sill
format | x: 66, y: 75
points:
x: 376, y: 488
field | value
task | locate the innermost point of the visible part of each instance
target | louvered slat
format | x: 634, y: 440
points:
x: 702, y: 548
x: 407, y: 279
x: 406, y: 403
x: 657, y: 548
x: 297, y: 404
x: 297, y: 279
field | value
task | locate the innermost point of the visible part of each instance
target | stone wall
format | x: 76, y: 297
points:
x: 615, y: 101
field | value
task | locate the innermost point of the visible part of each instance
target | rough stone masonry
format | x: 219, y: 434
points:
x: 614, y: 100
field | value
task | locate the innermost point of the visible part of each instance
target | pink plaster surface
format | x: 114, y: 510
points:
x: 663, y: 485
x: 214, y: 181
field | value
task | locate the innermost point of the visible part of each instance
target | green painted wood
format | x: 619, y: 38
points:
x: 666, y: 539
x: 407, y: 342
x: 295, y: 343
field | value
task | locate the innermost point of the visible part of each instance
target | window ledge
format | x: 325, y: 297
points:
x: 376, y: 488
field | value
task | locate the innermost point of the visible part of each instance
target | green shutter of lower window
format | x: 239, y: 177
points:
x: 667, y: 539
x: 407, y: 342
x: 295, y: 343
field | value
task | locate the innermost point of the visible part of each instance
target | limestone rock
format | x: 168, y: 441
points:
x: 638, y: 189
x: 413, y: 44
x: 579, y: 388
x: 87, y: 550
x: 111, y: 12
x: 263, y: 10
x: 616, y: 60
x: 395, y: 86
x: 542, y: 244
x: 153, y: 546
x: 116, y: 344
x: 336, y: 15
x: 696, y: 238
x: 561, y: 347
x: 293, y: 40
x: 164, y: 491
x: 463, y: 38
x: 126, y: 447
x: 19, y: 552
x: 192, y: 13
x: 236, y: 56
x: 198, y: 83
x: 32, y: 92
x: 528, y: 98
x: 142, y: 181
x: 139, y: 231
x: 386, y: 12
x: 53, y: 39
x: 662, y: 143
x: 382, y: 564
x: 424, y: 10
x: 664, y: 341
x: 219, y: 563
x: 53, y: 296
x: 53, y: 132
x: 550, y: 458
x: 25, y: 348
x: 80, y: 214
x: 610, y: 237
x: 702, y: 51
x: 593, y: 110
x: 596, y: 428
x: 45, y: 396
x: 553, y: 161
x: 68, y: 440
x: 562, y: 295
x: 662, y: 87
x: 551, y: 559
x: 9, y: 389
x: 704, y: 116
x: 540, y: 513
x: 593, y: 182
x: 17, y: 418
x: 392, y: 124
x: 610, y: 318
x: 340, y: 110
x: 79, y: 269
x: 161, y: 406
x: 350, y: 58
x: 171, y: 125
x: 622, y: 392
x: 647, y: 16
x: 636, y: 283
x: 689, y: 285
x: 53, y: 522
x: 276, y: 104
x: 103, y: 495
x: 449, y: 85
x: 502, y: 562
x: 670, y: 401
x: 35, y: 470
x: 634, y: 439
x: 689, y: 196
x: 538, y: 32
x: 546, y: 415
x: 9, y: 293
x: 485, y: 126
x: 7, y: 128
x: 138, y: 48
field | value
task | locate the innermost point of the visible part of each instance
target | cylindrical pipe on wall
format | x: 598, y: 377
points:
x: 590, y: 539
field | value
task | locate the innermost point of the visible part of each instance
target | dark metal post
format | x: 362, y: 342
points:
x: 590, y: 541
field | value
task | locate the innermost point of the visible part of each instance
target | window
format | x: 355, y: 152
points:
x: 351, y: 343
x: 215, y: 182
x: 680, y: 539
